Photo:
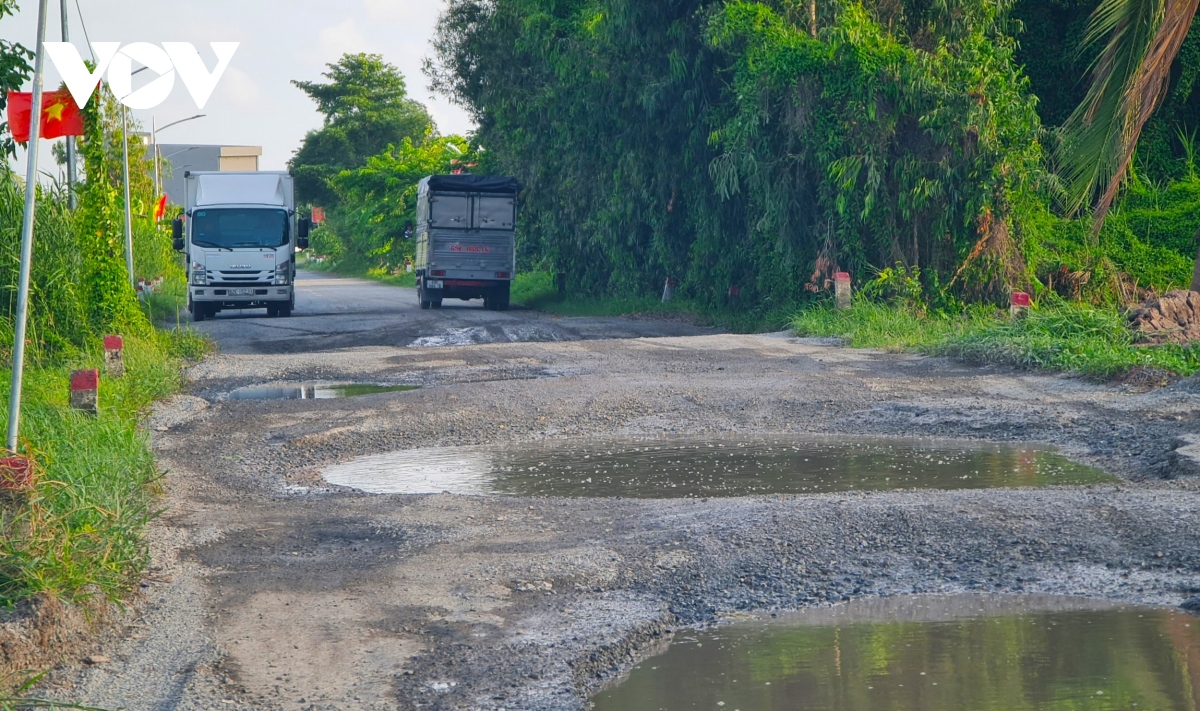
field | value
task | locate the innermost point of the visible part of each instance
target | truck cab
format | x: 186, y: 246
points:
x: 240, y: 234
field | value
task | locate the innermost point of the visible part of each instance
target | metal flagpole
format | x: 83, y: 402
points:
x: 31, y: 156
x: 71, y: 177
x: 128, y: 207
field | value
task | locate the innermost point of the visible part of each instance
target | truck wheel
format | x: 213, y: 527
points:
x: 500, y: 300
x: 421, y: 297
x: 198, y: 312
x: 285, y: 310
x: 488, y: 303
x: 272, y: 310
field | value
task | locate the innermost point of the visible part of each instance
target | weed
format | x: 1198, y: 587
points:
x: 1064, y: 337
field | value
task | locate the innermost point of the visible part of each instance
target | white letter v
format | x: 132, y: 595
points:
x: 80, y: 82
x: 195, y: 75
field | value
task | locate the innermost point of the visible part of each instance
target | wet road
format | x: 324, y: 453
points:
x: 343, y: 312
x: 271, y: 589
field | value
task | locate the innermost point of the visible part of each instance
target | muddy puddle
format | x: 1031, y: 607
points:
x: 711, y: 467
x: 921, y: 653
x: 315, y: 392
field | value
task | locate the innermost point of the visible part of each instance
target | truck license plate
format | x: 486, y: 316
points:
x: 241, y: 292
x: 433, y: 284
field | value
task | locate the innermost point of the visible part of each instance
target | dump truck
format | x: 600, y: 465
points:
x: 466, y: 239
x: 240, y: 233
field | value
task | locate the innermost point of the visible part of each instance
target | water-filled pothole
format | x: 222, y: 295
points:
x: 315, y: 391
x: 929, y: 654
x: 714, y: 466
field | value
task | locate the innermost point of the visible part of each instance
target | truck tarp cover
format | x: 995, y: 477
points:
x: 241, y: 189
x: 473, y: 184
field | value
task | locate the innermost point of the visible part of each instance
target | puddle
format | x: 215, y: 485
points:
x: 714, y: 466
x: 958, y: 653
x: 315, y: 392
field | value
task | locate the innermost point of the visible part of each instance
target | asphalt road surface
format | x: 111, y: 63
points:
x: 340, y: 312
x: 272, y: 589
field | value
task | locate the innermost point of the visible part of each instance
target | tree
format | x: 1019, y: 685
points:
x: 14, y: 70
x: 378, y: 201
x: 1129, y: 78
x: 366, y: 108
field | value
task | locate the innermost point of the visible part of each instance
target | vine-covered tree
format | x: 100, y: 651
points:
x: 755, y: 144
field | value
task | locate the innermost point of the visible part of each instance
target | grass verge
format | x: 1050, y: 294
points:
x: 1066, y: 337
x: 379, y: 274
x: 78, y: 534
x: 537, y: 290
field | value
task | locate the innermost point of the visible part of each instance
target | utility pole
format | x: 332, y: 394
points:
x: 128, y: 207
x: 31, y: 156
x: 154, y: 154
x: 71, y: 177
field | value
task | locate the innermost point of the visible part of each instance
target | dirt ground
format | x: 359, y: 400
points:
x: 274, y: 590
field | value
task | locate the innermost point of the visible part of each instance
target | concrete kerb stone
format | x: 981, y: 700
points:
x: 114, y: 356
x: 841, y: 289
x: 1019, y: 304
x: 85, y: 390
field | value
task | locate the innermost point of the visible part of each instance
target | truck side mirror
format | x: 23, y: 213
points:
x: 177, y: 234
x: 303, y: 228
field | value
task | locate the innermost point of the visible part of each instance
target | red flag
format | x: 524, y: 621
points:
x: 60, y: 115
x: 160, y: 208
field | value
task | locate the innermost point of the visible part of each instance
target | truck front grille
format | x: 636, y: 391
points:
x: 256, y: 277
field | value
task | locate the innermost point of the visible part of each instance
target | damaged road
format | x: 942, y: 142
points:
x: 272, y: 589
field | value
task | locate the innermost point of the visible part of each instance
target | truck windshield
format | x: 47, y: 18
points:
x: 240, y: 227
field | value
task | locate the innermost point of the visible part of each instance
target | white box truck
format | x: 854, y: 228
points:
x: 240, y: 234
x: 466, y: 239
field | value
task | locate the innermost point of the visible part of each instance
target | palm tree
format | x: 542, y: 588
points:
x: 1139, y: 40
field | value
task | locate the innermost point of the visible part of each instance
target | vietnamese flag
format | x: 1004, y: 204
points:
x: 160, y: 208
x: 60, y: 115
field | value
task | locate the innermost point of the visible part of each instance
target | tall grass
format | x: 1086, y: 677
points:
x: 78, y: 534
x: 1064, y: 337
x: 537, y: 290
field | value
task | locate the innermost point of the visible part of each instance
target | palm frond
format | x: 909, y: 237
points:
x: 1128, y: 79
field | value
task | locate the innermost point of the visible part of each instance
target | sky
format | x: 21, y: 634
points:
x: 254, y: 103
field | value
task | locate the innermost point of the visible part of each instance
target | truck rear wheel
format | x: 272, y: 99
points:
x: 500, y: 298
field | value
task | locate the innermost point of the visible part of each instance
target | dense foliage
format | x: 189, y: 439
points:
x: 364, y: 164
x: 764, y: 145
x: 14, y: 70
x: 366, y: 108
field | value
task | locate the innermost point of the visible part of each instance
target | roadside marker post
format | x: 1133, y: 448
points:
x: 16, y: 473
x: 668, y: 290
x: 1020, y: 304
x: 841, y: 289
x: 85, y: 390
x: 114, y: 356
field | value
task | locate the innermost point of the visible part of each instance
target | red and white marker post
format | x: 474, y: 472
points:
x: 16, y: 473
x: 841, y: 289
x: 85, y: 390
x: 668, y: 289
x: 1020, y: 304
x: 114, y: 356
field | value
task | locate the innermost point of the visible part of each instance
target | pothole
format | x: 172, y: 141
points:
x: 313, y: 391
x: 711, y: 467
x: 928, y: 653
